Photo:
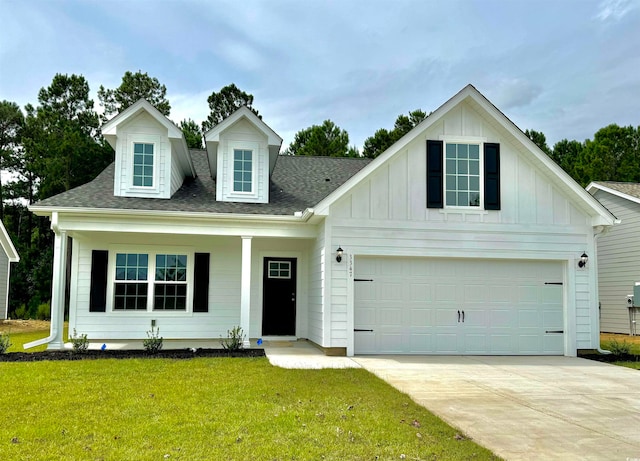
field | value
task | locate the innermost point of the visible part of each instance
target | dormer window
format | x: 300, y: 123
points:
x: 142, y: 165
x: 242, y: 170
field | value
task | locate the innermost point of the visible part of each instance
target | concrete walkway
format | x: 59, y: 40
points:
x: 521, y: 408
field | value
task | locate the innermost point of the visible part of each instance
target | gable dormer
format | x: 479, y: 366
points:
x: 152, y: 159
x: 242, y: 152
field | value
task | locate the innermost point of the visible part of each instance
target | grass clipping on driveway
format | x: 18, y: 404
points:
x: 205, y: 409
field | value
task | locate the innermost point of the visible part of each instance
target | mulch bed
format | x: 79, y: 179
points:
x: 127, y: 354
x: 609, y: 358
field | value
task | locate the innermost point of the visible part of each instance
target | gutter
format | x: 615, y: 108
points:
x: 298, y: 216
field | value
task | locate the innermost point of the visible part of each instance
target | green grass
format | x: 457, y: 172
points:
x: 612, y: 342
x: 203, y: 409
x: 19, y: 339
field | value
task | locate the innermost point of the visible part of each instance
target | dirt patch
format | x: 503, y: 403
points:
x: 127, y: 354
x: 23, y: 326
x: 619, y: 337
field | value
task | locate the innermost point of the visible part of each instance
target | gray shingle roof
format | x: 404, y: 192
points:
x: 629, y: 188
x: 297, y: 183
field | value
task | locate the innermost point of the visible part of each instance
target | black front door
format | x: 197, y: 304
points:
x: 279, y: 297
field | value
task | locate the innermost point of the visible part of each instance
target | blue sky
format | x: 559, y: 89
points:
x: 566, y: 68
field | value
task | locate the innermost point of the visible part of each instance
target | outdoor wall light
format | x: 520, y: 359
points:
x: 583, y: 260
x: 339, y: 254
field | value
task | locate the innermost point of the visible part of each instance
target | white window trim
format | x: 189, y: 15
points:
x: 151, y: 251
x: 288, y: 263
x: 255, y: 150
x: 462, y: 140
x: 144, y: 139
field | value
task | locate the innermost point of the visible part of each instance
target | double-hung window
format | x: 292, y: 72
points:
x: 462, y: 175
x: 131, y: 287
x: 155, y: 281
x: 242, y: 170
x: 142, y: 164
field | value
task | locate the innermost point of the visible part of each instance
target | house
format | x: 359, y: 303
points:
x: 618, y: 253
x: 462, y: 238
x: 8, y: 255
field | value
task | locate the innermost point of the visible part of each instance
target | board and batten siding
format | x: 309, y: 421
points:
x: 618, y: 268
x: 387, y: 215
x: 4, y: 284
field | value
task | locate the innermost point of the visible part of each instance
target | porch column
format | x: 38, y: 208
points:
x: 245, y: 289
x: 57, y: 290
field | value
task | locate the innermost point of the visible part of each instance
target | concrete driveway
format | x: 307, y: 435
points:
x: 526, y: 407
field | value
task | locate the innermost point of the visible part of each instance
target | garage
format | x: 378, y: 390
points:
x: 458, y: 306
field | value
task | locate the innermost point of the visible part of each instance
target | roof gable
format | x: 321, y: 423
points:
x: 7, y: 245
x: 212, y: 137
x: 626, y: 190
x: 175, y: 135
x: 470, y: 95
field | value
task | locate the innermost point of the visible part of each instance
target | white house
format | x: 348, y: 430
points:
x: 618, y: 253
x: 8, y: 255
x: 461, y: 238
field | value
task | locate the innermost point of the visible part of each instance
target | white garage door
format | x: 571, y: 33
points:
x: 456, y: 306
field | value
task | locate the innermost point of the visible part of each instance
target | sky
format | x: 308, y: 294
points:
x: 565, y: 68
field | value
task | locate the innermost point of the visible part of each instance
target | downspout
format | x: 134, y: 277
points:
x: 57, y: 287
x: 599, y: 230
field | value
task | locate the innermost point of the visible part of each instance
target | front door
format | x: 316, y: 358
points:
x: 279, y: 297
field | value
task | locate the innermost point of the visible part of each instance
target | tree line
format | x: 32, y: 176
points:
x: 56, y: 145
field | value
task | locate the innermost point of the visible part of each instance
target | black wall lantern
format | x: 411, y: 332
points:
x: 583, y: 260
x: 339, y: 254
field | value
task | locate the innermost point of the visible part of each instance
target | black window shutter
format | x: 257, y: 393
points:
x: 434, y: 174
x: 491, y: 176
x: 98, y: 291
x: 201, y: 282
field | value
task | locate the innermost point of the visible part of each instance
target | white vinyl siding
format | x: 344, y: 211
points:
x: 243, y: 137
x: 224, y: 287
x: 618, y: 268
x: 144, y: 130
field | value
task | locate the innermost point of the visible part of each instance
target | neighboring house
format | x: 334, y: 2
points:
x: 618, y: 253
x: 462, y: 238
x: 8, y: 255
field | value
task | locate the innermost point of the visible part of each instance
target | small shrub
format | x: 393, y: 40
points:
x: 80, y: 342
x: 22, y: 312
x: 234, y: 339
x: 43, y: 312
x: 619, y: 348
x: 5, y: 342
x: 153, y: 343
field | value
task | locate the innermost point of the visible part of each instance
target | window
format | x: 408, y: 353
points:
x: 279, y: 270
x: 143, y: 165
x: 170, y: 292
x: 462, y: 175
x: 133, y: 284
x: 131, y: 281
x: 458, y: 175
x: 242, y: 170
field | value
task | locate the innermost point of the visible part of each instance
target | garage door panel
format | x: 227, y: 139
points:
x: 446, y: 293
x: 412, y: 305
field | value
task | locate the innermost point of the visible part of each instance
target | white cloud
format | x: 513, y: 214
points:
x: 615, y: 9
x: 514, y: 92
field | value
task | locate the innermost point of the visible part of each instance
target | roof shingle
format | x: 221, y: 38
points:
x: 297, y: 183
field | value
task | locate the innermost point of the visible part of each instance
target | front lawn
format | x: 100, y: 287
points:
x: 616, y: 342
x: 204, y: 409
